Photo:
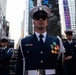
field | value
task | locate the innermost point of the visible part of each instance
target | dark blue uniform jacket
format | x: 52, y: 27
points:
x: 5, y: 56
x: 38, y: 56
x: 70, y: 51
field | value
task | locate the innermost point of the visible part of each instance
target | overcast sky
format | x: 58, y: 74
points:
x: 14, y: 15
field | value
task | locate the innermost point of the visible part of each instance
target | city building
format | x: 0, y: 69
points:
x: 22, y: 25
x: 72, y: 8
x: 62, y: 17
x: 3, y: 5
x: 56, y: 28
x: 27, y: 21
x: 75, y: 12
x: 4, y: 25
x: 67, y: 15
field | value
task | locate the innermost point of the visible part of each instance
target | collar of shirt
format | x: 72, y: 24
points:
x: 70, y: 41
x: 44, y: 34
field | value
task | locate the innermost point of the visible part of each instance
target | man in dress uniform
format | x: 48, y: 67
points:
x: 70, y: 53
x: 40, y: 51
x: 5, y: 55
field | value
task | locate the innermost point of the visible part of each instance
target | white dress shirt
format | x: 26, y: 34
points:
x: 44, y: 34
x: 70, y: 41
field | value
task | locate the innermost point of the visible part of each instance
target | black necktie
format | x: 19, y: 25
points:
x: 41, y: 40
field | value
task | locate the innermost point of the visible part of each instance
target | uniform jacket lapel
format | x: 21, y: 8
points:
x: 35, y: 41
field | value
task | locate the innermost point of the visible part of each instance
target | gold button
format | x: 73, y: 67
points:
x: 41, y: 61
x: 41, y: 52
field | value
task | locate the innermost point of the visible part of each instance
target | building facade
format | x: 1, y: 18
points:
x: 4, y: 25
x: 72, y: 9
x: 67, y: 15
x: 55, y: 29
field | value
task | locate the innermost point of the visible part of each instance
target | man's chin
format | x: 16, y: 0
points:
x: 40, y: 27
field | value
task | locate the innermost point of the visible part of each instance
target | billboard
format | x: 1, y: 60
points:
x: 67, y: 14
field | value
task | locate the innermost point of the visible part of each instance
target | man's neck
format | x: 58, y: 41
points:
x: 43, y: 31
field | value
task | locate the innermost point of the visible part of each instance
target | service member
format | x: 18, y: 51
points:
x: 70, y: 53
x: 5, y: 55
x: 40, y: 50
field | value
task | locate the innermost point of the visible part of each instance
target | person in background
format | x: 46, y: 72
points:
x: 5, y: 55
x: 39, y: 53
x: 70, y: 53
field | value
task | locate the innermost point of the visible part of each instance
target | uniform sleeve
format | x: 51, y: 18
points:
x: 74, y: 51
x: 60, y: 59
x: 19, y: 64
x: 7, y: 55
x: 62, y: 49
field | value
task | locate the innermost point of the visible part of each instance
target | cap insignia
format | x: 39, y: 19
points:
x: 40, y: 8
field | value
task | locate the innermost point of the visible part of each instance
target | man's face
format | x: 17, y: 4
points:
x: 40, y: 23
x: 3, y: 44
x: 69, y: 37
x: 40, y: 20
